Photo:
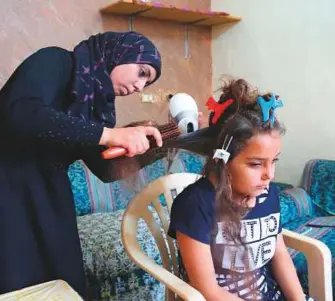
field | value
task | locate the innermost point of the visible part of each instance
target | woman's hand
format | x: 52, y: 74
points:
x: 202, y: 122
x: 134, y: 139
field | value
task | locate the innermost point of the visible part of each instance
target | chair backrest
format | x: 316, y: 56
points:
x: 147, y: 205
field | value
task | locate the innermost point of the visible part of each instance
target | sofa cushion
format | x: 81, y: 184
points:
x: 78, y: 176
x: 323, y: 221
x: 283, y: 186
x: 155, y: 292
x: 296, y: 223
x: 295, y: 204
x: 110, y: 273
x: 319, y: 181
x: 324, y: 234
x: 92, y: 195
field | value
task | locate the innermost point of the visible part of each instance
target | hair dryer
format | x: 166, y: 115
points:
x: 184, y: 111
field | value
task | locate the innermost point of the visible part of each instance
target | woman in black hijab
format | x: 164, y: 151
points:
x: 58, y: 107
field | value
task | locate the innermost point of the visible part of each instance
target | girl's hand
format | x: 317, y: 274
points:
x: 134, y: 139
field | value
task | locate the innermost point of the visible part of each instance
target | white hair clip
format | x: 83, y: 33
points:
x: 223, y: 153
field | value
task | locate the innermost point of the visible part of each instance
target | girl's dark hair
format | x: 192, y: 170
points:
x: 242, y: 120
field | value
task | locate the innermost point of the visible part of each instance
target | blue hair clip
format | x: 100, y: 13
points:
x: 267, y: 105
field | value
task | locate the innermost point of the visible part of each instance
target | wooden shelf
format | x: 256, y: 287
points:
x: 171, y: 13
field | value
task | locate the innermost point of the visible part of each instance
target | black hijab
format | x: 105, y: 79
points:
x: 95, y: 58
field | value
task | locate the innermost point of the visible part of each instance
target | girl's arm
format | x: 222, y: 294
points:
x: 198, y: 262
x: 285, y: 273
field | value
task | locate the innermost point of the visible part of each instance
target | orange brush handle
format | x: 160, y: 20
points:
x: 113, y: 152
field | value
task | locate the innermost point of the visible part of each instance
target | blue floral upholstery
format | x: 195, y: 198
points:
x: 283, y: 186
x: 321, y: 228
x: 78, y: 180
x: 295, y: 204
x: 319, y: 182
x: 110, y: 273
x: 310, y: 211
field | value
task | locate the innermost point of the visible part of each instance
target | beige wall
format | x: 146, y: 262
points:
x: 289, y: 47
x: 27, y: 25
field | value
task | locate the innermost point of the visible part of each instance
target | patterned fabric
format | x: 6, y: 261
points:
x: 267, y: 288
x: 295, y: 204
x: 283, y: 186
x: 307, y: 213
x: 155, y: 292
x: 293, y: 225
x: 95, y: 59
x: 319, y: 182
x: 328, y: 221
x: 79, y: 185
x: 110, y: 273
x: 324, y: 234
x: 92, y: 195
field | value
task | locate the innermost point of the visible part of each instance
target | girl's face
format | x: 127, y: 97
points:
x: 253, y: 168
x: 130, y: 78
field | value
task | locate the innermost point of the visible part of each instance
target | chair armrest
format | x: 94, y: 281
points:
x: 319, y: 262
x: 175, y: 284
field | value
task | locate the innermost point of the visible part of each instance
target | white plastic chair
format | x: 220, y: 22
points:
x: 317, y: 253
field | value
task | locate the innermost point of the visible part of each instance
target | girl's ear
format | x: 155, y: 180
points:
x: 228, y: 171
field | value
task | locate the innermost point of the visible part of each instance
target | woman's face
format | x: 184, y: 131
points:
x: 130, y: 78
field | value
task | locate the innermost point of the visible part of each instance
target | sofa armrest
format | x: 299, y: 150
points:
x: 318, y: 180
x: 319, y: 262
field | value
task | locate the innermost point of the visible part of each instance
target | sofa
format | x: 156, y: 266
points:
x: 111, y: 275
x: 310, y: 210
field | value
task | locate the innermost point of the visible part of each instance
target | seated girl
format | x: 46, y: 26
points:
x: 227, y: 224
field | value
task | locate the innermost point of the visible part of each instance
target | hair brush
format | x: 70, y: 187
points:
x: 169, y: 131
x: 198, y: 141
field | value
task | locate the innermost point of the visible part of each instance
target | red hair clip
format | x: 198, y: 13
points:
x: 218, y: 108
